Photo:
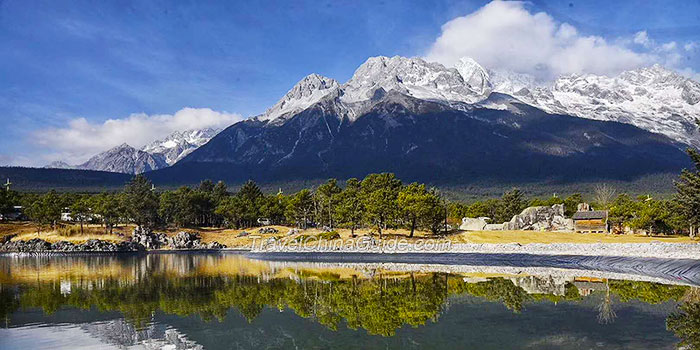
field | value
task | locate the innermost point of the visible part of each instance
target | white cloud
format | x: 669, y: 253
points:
x: 642, y: 38
x: 81, y: 139
x: 691, y: 46
x: 670, y: 46
x: 506, y: 35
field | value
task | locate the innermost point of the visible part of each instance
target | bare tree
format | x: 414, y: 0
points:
x: 604, y: 195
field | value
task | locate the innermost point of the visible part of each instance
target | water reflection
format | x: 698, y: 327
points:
x: 217, y: 301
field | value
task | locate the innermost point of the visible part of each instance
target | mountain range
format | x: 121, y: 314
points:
x: 156, y: 155
x: 426, y: 121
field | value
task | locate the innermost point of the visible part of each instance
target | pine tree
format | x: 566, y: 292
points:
x: 350, y: 209
x: 688, y: 192
x: 141, y: 202
x: 379, y: 193
x: 329, y: 196
x: 512, y: 203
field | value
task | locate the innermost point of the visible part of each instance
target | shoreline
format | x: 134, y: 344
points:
x: 657, y: 250
x: 633, y: 250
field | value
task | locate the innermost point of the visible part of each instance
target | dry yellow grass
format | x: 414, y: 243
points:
x: 229, y: 237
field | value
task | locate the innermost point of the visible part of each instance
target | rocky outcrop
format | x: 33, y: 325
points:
x: 182, y: 240
x: 185, y: 240
x: 93, y: 245
x: 473, y: 224
x: 541, y: 218
x: 148, y: 238
x: 141, y: 239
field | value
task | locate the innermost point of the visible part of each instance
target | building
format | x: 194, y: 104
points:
x: 16, y: 213
x: 592, y: 221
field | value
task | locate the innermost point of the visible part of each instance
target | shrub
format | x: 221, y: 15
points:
x: 331, y: 235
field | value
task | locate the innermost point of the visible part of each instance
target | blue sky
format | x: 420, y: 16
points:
x: 67, y: 67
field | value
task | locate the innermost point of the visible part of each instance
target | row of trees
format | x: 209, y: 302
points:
x: 378, y: 201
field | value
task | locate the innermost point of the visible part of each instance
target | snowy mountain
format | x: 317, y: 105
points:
x: 653, y: 98
x: 156, y: 155
x: 179, y: 144
x: 424, y: 122
x: 124, y: 159
x: 422, y: 119
x: 59, y: 165
x: 414, y: 77
x: 306, y: 92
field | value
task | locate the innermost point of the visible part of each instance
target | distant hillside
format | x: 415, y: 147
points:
x: 40, y: 179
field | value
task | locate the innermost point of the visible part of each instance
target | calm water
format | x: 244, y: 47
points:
x: 228, y: 301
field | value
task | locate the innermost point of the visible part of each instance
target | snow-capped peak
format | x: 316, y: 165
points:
x: 652, y: 98
x: 124, y: 159
x: 474, y: 75
x: 411, y: 76
x: 179, y: 144
x: 306, y: 92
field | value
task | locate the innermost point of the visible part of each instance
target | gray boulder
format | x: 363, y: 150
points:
x: 540, y: 218
x: 148, y: 239
x: 215, y: 246
x: 96, y: 245
x: 185, y: 240
x: 473, y: 224
x: 32, y: 245
x: 63, y: 246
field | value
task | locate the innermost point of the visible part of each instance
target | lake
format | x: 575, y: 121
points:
x: 240, y: 301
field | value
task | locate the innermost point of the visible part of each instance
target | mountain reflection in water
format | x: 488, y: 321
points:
x: 223, y: 301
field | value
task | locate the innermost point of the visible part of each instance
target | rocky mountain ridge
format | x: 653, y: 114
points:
x: 156, y: 155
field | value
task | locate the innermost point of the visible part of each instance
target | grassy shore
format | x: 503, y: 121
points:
x: 230, y: 237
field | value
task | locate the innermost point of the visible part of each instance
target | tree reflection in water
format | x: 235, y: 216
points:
x: 380, y: 305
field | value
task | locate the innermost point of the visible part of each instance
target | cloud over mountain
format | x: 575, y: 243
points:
x: 506, y: 35
x: 81, y: 138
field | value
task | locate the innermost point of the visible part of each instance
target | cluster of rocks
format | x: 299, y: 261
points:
x: 93, y: 245
x: 148, y: 238
x: 541, y: 218
x: 532, y: 218
x: 182, y: 240
x: 268, y: 230
x: 141, y: 239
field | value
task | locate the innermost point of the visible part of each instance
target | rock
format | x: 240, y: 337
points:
x: 243, y: 234
x: 292, y: 232
x: 540, y: 218
x: 7, y: 238
x: 63, y: 246
x: 185, y: 240
x: 96, y: 245
x: 129, y: 246
x: 215, y: 245
x: 265, y: 230
x: 473, y: 224
x: 32, y: 245
x: 148, y: 239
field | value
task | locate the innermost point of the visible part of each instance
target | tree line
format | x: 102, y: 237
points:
x: 378, y: 202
